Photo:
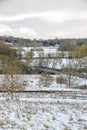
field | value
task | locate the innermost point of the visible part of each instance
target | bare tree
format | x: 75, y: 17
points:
x: 45, y: 79
x: 12, y: 76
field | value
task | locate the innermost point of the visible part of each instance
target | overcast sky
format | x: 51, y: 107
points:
x: 44, y: 18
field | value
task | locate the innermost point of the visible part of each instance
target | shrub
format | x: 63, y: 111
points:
x: 61, y: 80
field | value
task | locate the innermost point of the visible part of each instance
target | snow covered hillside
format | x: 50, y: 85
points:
x: 40, y: 82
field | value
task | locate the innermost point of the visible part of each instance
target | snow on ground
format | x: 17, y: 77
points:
x: 53, y: 63
x: 45, y: 115
x: 59, y: 63
x: 42, y: 50
x: 38, y: 82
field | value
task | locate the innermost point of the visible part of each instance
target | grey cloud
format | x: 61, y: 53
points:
x: 13, y: 7
x: 44, y: 29
x: 76, y: 26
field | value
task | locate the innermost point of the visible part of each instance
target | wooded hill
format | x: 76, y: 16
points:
x: 49, y: 42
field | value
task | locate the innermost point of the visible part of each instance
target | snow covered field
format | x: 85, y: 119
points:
x: 42, y: 50
x: 38, y: 82
x: 33, y: 82
x: 43, y: 115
